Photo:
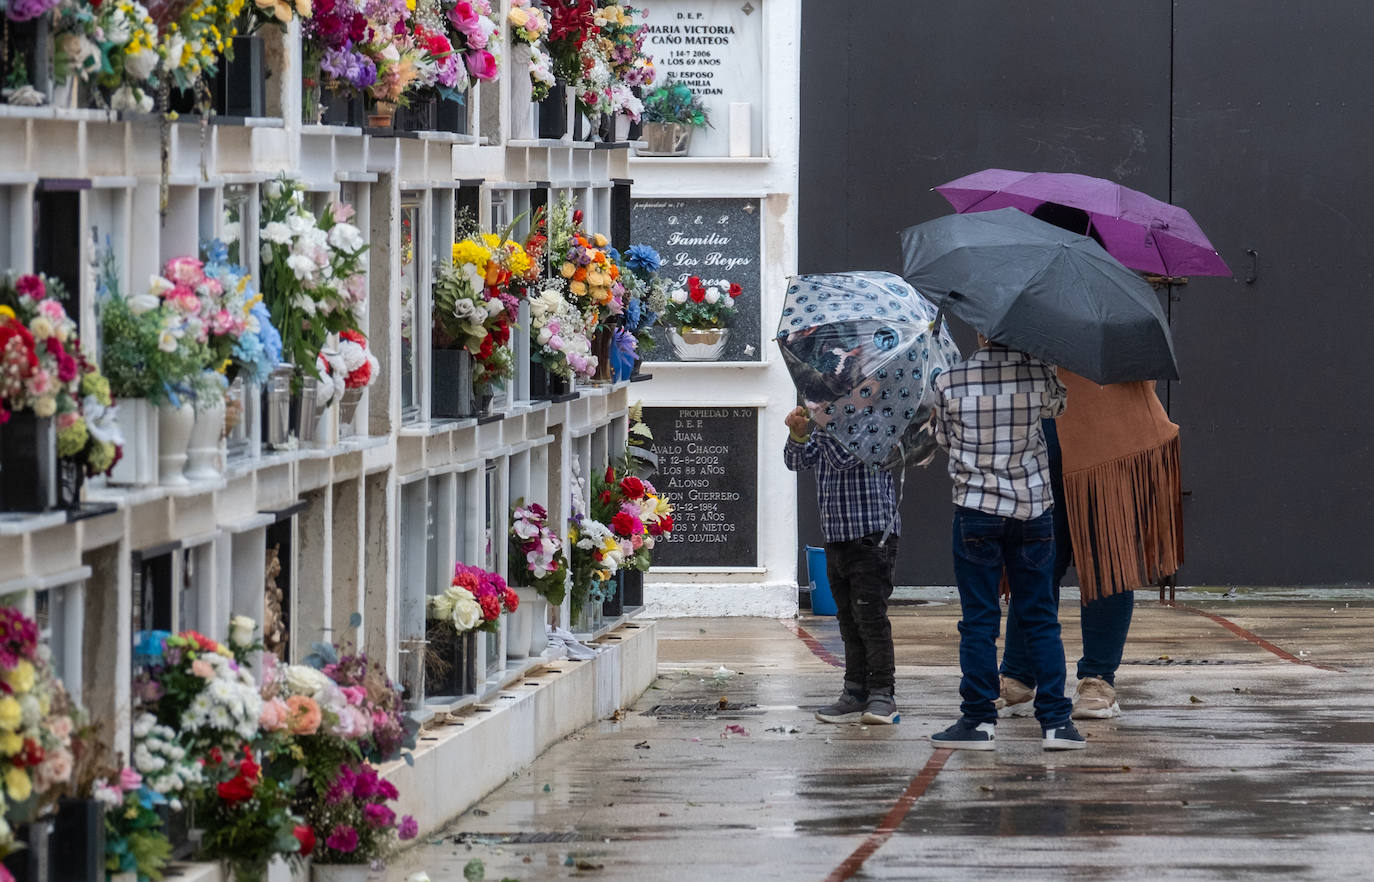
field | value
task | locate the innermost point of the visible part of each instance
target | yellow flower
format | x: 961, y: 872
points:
x: 601, y: 241
x: 519, y: 261
x: 6, y: 312
x: 578, y: 288
x: 410, y: 4
x: 567, y: 269
x: 468, y: 251
x: 493, y: 241
x: 11, y: 715
x: 518, y: 17
x: 304, y: 8
x: 17, y: 784
x: 224, y: 365
x: 20, y: 677
x: 10, y: 744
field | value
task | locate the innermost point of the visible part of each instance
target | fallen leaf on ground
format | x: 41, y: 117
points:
x: 589, y: 865
x: 1195, y: 700
x: 986, y: 787
x: 643, y: 745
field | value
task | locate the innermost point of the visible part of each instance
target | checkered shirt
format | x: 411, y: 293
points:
x: 855, y: 500
x: 988, y: 412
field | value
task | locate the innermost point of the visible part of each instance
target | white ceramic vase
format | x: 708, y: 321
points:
x: 174, y: 425
x: 622, y: 128
x: 138, y: 420
x: 203, y: 461
x: 539, y: 630
x: 522, y: 110
x: 521, y: 624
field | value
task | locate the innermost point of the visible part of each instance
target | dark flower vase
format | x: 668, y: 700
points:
x: 545, y: 384
x: 239, y: 87
x: 632, y: 588
x: 451, y: 389
x: 451, y: 116
x: 418, y: 116
x: 342, y: 110
x: 450, y: 661
x: 28, y: 463
x: 78, y: 840
x: 613, y: 606
x: 553, y: 116
x: 31, y: 864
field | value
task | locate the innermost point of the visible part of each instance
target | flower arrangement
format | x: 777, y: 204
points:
x: 596, y: 553
x: 110, y: 45
x: 242, y: 339
x: 332, y: 39
x: 193, y: 36
x: 197, y: 687
x: 585, y: 262
x: 351, y: 821
x: 636, y: 514
x: 148, y: 348
x: 557, y: 329
x: 618, y: 64
x: 313, y: 271
x: 571, y: 25
x: 646, y: 293
x: 702, y: 305
x: 247, y: 817
x: 42, y: 369
x: 35, y: 726
x: 538, y: 552
x: 474, y: 306
x: 351, y: 366
x: 674, y: 102
x: 529, y: 28
x: 135, y: 835
x: 28, y: 10
x: 473, y: 28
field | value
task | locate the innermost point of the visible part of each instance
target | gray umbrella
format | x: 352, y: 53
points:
x: 1046, y: 291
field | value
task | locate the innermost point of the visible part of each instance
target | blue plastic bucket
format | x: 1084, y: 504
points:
x: 822, y: 601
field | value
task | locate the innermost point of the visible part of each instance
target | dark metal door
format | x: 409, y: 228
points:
x: 1272, y: 127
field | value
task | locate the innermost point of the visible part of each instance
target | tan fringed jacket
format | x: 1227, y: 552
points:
x: 1122, y: 485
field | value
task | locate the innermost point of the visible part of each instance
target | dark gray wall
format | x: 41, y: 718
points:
x: 1255, y: 116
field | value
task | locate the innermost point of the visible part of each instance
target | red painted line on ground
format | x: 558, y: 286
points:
x: 1250, y: 635
x: 893, y: 819
x: 817, y: 649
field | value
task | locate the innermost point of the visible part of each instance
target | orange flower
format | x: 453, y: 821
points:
x: 580, y: 275
x: 303, y: 715
x: 615, y: 272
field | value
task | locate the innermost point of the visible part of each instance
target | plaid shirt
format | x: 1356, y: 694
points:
x: 855, y: 500
x: 988, y: 413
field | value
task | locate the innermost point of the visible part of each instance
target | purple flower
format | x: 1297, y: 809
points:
x: 27, y: 10
x: 344, y: 839
x: 379, y: 816
x: 351, y: 67
x: 409, y: 829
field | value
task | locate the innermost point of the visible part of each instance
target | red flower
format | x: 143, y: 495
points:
x: 31, y: 755
x: 623, y: 524
x: 664, y: 525
x: 488, y: 346
x: 697, y: 295
x: 31, y: 286
x: 735, y: 289
x: 306, y: 837
x: 236, y: 789
x: 577, y: 217
x: 632, y: 487
x: 355, y: 336
x: 605, y: 497
x: 491, y: 607
x: 610, y: 474
x: 512, y: 600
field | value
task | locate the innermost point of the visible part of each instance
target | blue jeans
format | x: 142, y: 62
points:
x: 1105, y: 622
x: 984, y: 545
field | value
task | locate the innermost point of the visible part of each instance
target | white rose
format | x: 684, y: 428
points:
x: 272, y: 189
x: 174, y: 50
x: 712, y: 295
x: 298, y: 225
x: 302, y: 266
x: 305, y: 680
x: 167, y: 340
x: 241, y: 630
x: 679, y: 296
x: 494, y: 307
x: 232, y: 231
x: 467, y: 613
x: 266, y: 252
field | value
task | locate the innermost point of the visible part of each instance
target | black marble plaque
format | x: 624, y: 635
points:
x: 708, y: 467
x: 716, y: 240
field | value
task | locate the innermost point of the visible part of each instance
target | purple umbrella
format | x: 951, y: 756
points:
x: 1138, y: 230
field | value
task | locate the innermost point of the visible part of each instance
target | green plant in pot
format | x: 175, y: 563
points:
x: 671, y: 113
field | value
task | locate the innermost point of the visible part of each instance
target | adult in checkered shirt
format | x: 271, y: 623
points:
x: 987, y: 416
x: 858, y: 509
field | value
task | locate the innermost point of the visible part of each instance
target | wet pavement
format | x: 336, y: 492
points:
x: 1245, y: 751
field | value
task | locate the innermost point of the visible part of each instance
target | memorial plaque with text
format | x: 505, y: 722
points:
x: 716, y: 48
x: 708, y: 469
x: 717, y: 240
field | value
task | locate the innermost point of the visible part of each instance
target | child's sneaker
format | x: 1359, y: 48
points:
x: 1064, y: 737
x: 881, y: 709
x: 1095, y: 700
x: 967, y: 735
x: 1015, y: 698
x: 848, y: 709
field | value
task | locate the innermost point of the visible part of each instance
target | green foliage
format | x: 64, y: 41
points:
x: 135, y: 841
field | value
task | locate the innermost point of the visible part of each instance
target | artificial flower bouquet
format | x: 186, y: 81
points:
x: 636, y: 514
x: 645, y: 299
x: 529, y: 29
x: 351, y: 365
x: 351, y: 821
x: 572, y: 25
x: 614, y: 63
x: 475, y: 303
x: 36, y: 724
x: 242, y: 340
x: 111, y: 46
x: 675, y: 102
x: 313, y: 271
x: 474, y: 601
x: 536, y: 552
x: 597, y: 554
x: 473, y: 32
x: 702, y: 304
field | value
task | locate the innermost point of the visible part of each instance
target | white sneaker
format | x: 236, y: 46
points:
x: 1095, y: 700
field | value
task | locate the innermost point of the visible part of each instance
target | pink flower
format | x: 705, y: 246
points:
x: 387, y: 789
x: 341, y: 211
x: 274, y: 716
x: 344, y: 839
x: 129, y: 780
x: 186, y: 271
x: 355, y: 694
x: 379, y: 816
x: 481, y: 64
x: 409, y: 829
x: 222, y: 323
x: 51, y: 309
x: 202, y: 669
x: 466, y: 19
x: 353, y: 723
x: 31, y: 286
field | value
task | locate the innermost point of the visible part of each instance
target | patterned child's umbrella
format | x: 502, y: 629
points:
x: 863, y: 356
